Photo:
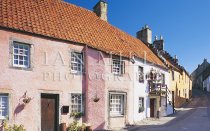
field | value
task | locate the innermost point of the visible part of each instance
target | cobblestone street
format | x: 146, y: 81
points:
x: 193, y: 117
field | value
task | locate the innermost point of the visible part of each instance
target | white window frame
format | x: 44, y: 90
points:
x: 3, y: 108
x: 141, y: 102
x: 141, y: 74
x: 25, y: 48
x: 75, y: 103
x: 117, y: 102
x: 163, y: 78
x: 117, y: 66
x: 77, y: 62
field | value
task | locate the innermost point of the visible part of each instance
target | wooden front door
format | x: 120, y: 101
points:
x: 152, y: 107
x: 49, y: 112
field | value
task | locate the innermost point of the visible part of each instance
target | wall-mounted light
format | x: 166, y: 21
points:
x: 26, y: 99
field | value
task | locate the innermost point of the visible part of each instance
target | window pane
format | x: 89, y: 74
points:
x: 20, y: 46
x: 76, y: 62
x: 26, y: 53
x: 116, y: 104
x: 21, y: 55
x: 25, y: 57
x: 117, y: 66
x: 16, y: 62
x: 3, y: 106
x: 20, y: 62
x: 25, y: 63
x: 76, y: 102
x: 15, y: 57
x: 15, y: 45
x: 16, y: 51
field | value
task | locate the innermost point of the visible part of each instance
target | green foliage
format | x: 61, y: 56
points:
x: 13, y: 127
x: 76, y: 114
x: 76, y: 127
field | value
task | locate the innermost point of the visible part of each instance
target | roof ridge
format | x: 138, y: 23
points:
x: 66, y: 21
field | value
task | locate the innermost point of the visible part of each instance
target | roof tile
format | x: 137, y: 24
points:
x: 65, y: 21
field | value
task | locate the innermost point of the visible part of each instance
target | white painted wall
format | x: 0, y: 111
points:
x: 141, y: 90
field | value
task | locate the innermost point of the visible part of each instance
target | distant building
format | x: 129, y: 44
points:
x: 198, y: 74
x: 206, y: 79
x: 180, y: 83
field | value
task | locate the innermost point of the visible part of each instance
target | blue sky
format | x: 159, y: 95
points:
x: 184, y: 24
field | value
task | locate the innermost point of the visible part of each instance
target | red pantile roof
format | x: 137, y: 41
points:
x: 61, y: 20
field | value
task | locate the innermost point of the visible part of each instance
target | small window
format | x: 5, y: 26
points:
x: 163, y: 79
x: 3, y: 106
x: 76, y: 62
x: 117, y: 104
x: 172, y: 75
x: 141, y: 74
x: 21, y: 55
x: 76, y: 102
x: 141, y: 104
x: 117, y: 67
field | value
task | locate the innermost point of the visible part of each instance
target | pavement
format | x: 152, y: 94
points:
x: 194, y: 116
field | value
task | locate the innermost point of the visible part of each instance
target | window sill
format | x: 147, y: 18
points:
x: 21, y: 68
x: 77, y: 73
x: 114, y: 116
x: 120, y: 75
x: 2, y: 118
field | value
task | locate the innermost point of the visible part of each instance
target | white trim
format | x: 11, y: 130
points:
x: 117, y: 102
x: 78, y: 59
x: 78, y: 104
x: 22, y: 55
x: 7, y: 106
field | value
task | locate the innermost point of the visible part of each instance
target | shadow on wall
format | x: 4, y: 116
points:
x: 101, y: 126
x: 180, y: 101
x: 18, y: 109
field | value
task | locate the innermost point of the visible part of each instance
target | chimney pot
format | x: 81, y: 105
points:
x: 161, y: 37
x: 205, y: 60
x: 156, y: 38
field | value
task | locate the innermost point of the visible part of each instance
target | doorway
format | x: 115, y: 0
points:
x: 49, y: 112
x: 152, y: 107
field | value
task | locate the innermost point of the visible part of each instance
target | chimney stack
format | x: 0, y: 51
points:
x: 205, y: 60
x: 101, y: 9
x: 175, y: 59
x: 159, y: 44
x: 145, y: 35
